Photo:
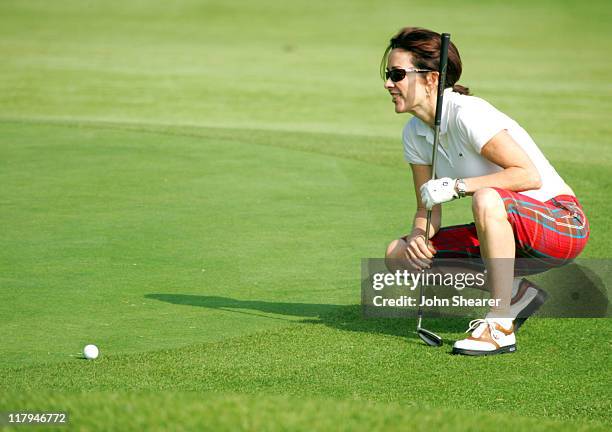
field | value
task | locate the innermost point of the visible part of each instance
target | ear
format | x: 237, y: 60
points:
x: 432, y: 79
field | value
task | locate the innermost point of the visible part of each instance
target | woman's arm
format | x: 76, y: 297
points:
x: 420, y: 175
x: 519, y: 172
x: 417, y: 252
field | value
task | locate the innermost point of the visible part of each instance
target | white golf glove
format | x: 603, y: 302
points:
x: 438, y: 191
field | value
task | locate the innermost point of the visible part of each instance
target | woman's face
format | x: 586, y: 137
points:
x: 409, y: 93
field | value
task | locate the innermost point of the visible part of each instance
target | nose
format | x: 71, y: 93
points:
x: 389, y: 84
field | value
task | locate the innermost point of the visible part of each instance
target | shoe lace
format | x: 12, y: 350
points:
x: 478, y: 326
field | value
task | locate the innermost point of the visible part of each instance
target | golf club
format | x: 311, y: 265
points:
x: 428, y: 337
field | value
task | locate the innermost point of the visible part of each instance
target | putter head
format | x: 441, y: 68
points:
x: 429, y: 338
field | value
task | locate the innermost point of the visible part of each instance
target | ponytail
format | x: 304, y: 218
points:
x: 461, y: 90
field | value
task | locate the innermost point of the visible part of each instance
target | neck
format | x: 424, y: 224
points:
x: 427, y: 111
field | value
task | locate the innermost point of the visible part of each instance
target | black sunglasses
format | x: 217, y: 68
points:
x: 397, y: 75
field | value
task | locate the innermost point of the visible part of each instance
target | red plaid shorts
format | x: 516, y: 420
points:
x: 557, y: 229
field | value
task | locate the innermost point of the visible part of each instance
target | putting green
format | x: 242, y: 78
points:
x: 192, y: 187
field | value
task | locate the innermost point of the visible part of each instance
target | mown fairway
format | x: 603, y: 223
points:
x: 192, y: 185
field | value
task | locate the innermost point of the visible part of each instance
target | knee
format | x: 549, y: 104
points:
x: 487, y: 205
x: 395, y: 249
x: 394, y: 254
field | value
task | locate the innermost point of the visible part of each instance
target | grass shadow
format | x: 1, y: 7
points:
x: 343, y: 317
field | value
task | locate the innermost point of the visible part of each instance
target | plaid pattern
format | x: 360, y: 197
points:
x: 556, y: 229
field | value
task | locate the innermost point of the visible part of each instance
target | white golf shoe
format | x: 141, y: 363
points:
x: 489, y: 336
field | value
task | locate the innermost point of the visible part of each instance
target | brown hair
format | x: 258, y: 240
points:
x: 424, y: 46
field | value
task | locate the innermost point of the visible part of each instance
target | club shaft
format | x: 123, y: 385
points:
x: 438, y: 117
x: 445, y: 40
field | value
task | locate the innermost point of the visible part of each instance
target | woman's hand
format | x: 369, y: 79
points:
x: 438, y: 191
x: 418, y: 254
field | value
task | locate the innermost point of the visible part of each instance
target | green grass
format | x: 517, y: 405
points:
x: 192, y: 186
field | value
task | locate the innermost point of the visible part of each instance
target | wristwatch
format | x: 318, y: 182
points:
x: 460, y: 188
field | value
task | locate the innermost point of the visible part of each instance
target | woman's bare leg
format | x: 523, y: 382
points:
x: 496, y: 246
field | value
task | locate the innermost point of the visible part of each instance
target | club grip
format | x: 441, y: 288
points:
x: 445, y: 40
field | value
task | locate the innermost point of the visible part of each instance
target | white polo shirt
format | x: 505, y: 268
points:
x: 467, y: 124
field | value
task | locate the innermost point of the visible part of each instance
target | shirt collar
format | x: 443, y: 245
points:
x: 424, y: 130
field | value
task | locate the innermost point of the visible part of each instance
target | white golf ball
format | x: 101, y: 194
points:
x: 91, y: 352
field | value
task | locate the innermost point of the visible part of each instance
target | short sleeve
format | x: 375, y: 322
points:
x: 480, y: 121
x: 413, y: 146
